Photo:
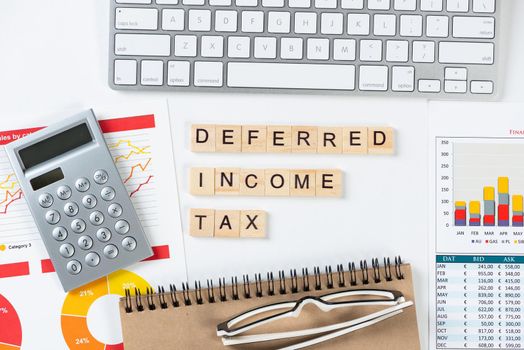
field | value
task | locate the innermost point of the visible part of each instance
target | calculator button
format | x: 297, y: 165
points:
x: 67, y: 250
x: 103, y: 234
x: 110, y: 251
x: 82, y: 184
x: 45, y: 200
x: 63, y: 192
x: 92, y: 259
x: 89, y: 201
x: 107, y: 193
x: 71, y: 209
x: 59, y: 233
x: 114, y: 210
x: 78, y: 225
x: 96, y: 218
x: 100, y: 177
x: 52, y: 217
x: 85, y: 242
x: 122, y: 227
x: 74, y: 267
x: 129, y: 244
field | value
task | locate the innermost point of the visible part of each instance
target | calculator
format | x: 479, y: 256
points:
x: 78, y: 200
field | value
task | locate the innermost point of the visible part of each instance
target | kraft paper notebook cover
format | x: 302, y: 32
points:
x: 151, y: 321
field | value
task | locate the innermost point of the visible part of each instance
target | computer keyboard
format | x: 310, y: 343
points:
x: 431, y: 48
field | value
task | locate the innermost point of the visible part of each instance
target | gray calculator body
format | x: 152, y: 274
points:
x: 78, y: 200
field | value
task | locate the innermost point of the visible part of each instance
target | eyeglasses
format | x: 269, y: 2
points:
x: 231, y: 331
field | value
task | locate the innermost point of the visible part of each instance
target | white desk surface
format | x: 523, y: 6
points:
x: 53, y: 57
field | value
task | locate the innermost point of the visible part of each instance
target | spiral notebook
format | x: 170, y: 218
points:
x: 171, y: 318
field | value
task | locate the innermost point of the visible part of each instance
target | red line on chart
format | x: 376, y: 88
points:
x: 14, y: 197
x: 140, y: 186
x: 139, y: 165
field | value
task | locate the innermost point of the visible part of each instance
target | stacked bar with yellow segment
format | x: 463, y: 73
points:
x: 460, y: 213
x: 474, y: 213
x: 503, y: 206
x: 489, y: 206
x: 518, y: 214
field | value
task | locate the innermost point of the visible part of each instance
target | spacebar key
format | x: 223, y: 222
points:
x: 291, y: 76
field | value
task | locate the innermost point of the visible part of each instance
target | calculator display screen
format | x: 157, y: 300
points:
x: 47, y: 179
x: 55, y: 145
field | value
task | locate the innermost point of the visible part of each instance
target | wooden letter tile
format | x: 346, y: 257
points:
x: 329, y: 183
x: 228, y: 138
x: 329, y: 140
x: 279, y: 139
x: 252, y: 182
x: 304, y: 139
x: 254, y: 139
x: 202, y: 181
x: 227, y: 223
x: 277, y: 182
x: 227, y: 181
x: 201, y: 222
x: 253, y: 223
x: 302, y: 183
x: 202, y: 138
x: 381, y: 140
x: 355, y: 140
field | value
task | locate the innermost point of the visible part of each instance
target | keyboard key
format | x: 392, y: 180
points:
x: 107, y: 193
x: 429, y: 85
x: 332, y: 23
x: 278, y: 22
x: 92, y: 259
x: 403, y: 79
x: 431, y: 5
x: 52, y: 217
x: 178, y: 73
x: 78, y: 225
x: 317, y: 49
x: 405, y: 5
x: 379, y: 4
x: 246, y: 3
x: 185, y: 45
x: 226, y: 21
x: 63, y: 192
x: 411, y: 25
x: 326, y: 4
x: 142, y: 44
x: 89, y: 201
x: 85, y: 242
x: 286, y: 75
x: 299, y: 3
x: 397, y: 51
x: 352, y: 4
x: 291, y: 48
x: 212, y: 46
x: 208, y: 74
x: 193, y: 2
x: 273, y: 3
x: 305, y: 22
x: 199, y: 20
x: 129, y: 244
x: 103, y: 234
x: 344, y: 49
x: 73, y: 266
x: 466, y: 53
x: 152, y: 73
x: 100, y: 176
x: 385, y: 25
x: 96, y: 218
x: 423, y: 51
x: 456, y: 73
x: 45, y: 200
x: 474, y: 27
x: 437, y: 26
x: 358, y: 24
x: 252, y: 21
x: 114, y: 210
x: 220, y: 2
x: 71, y: 209
x: 265, y: 47
x: 455, y: 86
x: 82, y: 184
x: 59, y: 233
x: 122, y: 227
x: 133, y: 1
x: 173, y: 19
x: 482, y: 87
x: 167, y: 2
x: 484, y: 6
x: 110, y: 251
x: 238, y: 46
x: 138, y: 19
x: 371, y: 50
x: 66, y: 250
x: 373, y: 78
x: 458, y: 5
x: 125, y: 72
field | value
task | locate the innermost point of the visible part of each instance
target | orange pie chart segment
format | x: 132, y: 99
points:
x: 10, y: 327
x: 78, y: 301
x: 77, y: 335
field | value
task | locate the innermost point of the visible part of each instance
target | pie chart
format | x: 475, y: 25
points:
x: 74, y: 318
x: 10, y: 327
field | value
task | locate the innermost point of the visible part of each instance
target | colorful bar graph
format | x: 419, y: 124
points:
x: 518, y: 214
x: 502, y: 210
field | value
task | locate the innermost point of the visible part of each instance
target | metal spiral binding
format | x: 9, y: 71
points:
x: 158, y: 300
